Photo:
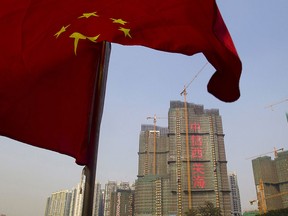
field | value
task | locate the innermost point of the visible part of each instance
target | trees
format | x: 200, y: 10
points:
x: 207, y: 210
x: 278, y: 212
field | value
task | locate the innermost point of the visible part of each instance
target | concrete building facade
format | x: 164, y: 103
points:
x: 234, y: 195
x: 271, y: 181
x: 58, y: 204
x: 185, y: 165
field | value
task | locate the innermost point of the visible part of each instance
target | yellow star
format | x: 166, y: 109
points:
x: 93, y: 39
x: 119, y: 21
x: 125, y: 31
x: 63, y: 29
x: 77, y: 36
x: 87, y: 15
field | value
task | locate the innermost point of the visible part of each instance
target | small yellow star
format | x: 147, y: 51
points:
x: 93, y: 39
x: 87, y: 15
x: 63, y: 29
x: 119, y: 21
x: 125, y: 31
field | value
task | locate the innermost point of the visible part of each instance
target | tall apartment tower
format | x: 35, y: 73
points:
x: 153, y: 162
x: 110, y: 187
x: 235, y: 194
x: 153, y: 175
x: 122, y: 201
x: 197, y: 160
x: 271, y: 181
x: 186, y: 166
x: 77, y: 198
x: 58, y: 204
x: 97, y: 202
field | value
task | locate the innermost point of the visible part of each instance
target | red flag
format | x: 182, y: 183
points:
x: 49, y: 53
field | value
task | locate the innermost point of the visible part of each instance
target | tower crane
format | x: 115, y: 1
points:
x: 184, y: 92
x: 261, y: 197
x: 154, y: 140
x: 275, y: 152
x: 274, y: 104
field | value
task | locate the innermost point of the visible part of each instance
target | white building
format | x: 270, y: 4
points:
x: 235, y: 195
x: 110, y: 187
x: 58, y: 204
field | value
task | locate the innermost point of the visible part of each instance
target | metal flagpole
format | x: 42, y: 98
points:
x: 95, y: 119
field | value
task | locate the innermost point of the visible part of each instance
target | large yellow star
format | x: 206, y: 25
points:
x: 63, y: 29
x: 77, y: 36
x: 87, y: 15
x: 125, y: 31
x: 119, y: 21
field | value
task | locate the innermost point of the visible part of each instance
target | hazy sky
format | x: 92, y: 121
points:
x: 141, y: 82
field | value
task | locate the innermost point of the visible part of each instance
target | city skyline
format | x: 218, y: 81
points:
x: 141, y: 83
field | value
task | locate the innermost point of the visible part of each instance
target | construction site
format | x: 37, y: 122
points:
x: 184, y: 165
x: 271, y: 181
x: 271, y: 176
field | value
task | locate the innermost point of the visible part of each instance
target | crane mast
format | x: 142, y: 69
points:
x: 184, y: 93
x: 261, y: 197
x: 154, y: 140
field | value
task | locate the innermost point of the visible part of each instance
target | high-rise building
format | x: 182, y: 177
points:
x: 58, y: 204
x: 150, y: 161
x: 184, y: 165
x: 77, y: 198
x: 271, y: 181
x: 122, y: 201
x: 234, y: 195
x: 110, y: 187
x: 98, y: 200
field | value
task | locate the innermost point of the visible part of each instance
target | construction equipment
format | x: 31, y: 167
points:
x: 154, y: 140
x: 274, y: 104
x: 261, y: 198
x: 184, y: 92
x: 275, y: 151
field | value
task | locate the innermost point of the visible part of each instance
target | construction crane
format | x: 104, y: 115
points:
x: 274, y: 104
x: 154, y: 140
x: 275, y: 151
x: 261, y: 198
x: 184, y: 92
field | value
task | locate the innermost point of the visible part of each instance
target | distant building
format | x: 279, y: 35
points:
x: 77, y: 199
x: 122, y: 202
x: 98, y: 201
x: 271, y: 181
x: 67, y: 202
x: 58, y: 204
x: 110, y: 187
x: 184, y: 165
x: 235, y: 195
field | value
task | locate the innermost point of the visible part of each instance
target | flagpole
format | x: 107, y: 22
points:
x: 95, y: 119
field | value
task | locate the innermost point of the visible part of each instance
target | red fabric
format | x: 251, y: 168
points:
x: 47, y: 81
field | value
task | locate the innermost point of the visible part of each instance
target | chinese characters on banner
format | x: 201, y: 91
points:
x: 197, y: 153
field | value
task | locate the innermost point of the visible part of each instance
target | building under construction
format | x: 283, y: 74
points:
x: 271, y: 181
x: 184, y: 165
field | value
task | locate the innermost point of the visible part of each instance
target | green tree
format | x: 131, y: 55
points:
x: 192, y: 212
x: 278, y: 212
x: 207, y: 210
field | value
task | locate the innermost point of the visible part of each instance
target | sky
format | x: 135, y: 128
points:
x: 142, y: 82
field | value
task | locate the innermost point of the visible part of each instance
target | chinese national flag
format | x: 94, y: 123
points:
x: 50, y: 53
